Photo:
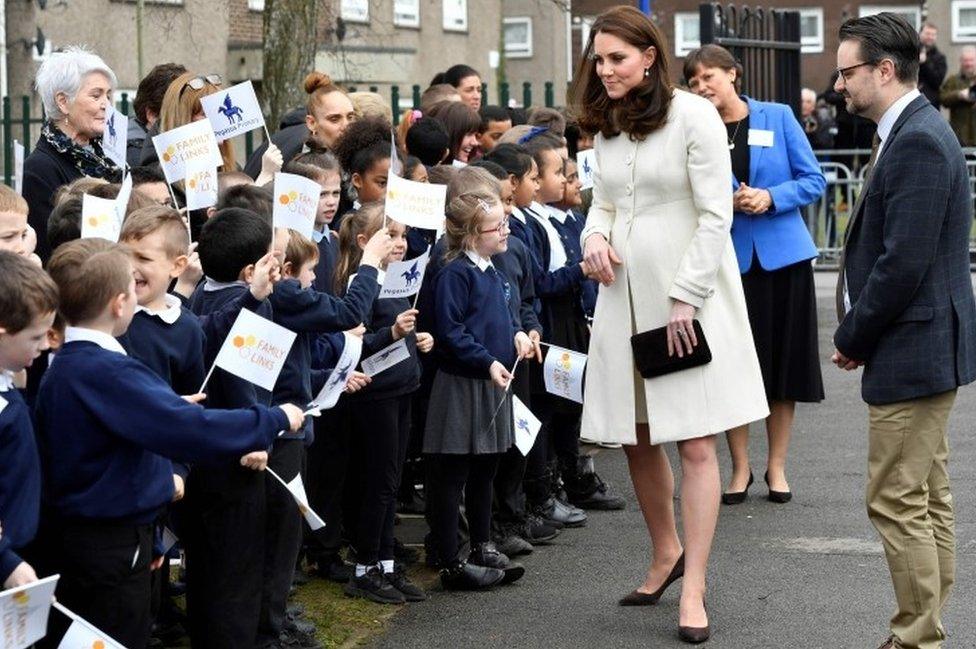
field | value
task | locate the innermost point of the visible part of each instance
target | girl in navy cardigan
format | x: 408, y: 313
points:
x: 469, y: 417
x: 380, y: 417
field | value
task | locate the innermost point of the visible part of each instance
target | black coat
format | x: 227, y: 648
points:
x: 913, y: 315
x: 931, y: 74
x: 290, y: 138
x: 45, y: 170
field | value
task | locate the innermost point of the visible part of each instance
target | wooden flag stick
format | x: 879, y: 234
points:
x: 502, y: 402
x: 207, y: 378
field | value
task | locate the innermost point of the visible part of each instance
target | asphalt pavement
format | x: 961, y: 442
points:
x: 807, y: 574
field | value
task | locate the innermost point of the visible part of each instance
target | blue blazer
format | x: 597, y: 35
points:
x: 791, y: 173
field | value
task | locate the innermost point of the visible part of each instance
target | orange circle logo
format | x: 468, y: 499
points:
x: 283, y: 199
x: 238, y: 341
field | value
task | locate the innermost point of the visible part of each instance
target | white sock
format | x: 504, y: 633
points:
x: 361, y: 569
x: 387, y: 565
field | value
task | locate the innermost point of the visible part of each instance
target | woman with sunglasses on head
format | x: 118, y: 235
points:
x: 76, y: 87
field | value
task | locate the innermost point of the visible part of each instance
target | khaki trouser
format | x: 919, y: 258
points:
x: 910, y: 505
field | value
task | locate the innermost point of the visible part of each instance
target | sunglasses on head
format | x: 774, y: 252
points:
x: 198, y: 83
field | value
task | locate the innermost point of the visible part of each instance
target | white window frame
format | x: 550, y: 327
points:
x: 812, y: 44
x: 455, y: 19
x: 354, y: 11
x: 586, y: 25
x: 406, y: 13
x: 524, y: 52
x: 683, y: 46
x: 255, y: 5
x: 870, y: 10
x: 958, y: 36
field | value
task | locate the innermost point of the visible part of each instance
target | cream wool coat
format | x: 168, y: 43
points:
x: 665, y: 205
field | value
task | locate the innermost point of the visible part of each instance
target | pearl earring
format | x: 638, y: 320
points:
x: 647, y: 72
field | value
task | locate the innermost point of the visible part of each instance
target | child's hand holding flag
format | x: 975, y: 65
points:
x: 267, y: 272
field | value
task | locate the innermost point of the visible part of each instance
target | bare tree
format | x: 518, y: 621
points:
x: 290, y: 43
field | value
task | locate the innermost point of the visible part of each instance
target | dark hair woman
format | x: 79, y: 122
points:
x: 467, y: 81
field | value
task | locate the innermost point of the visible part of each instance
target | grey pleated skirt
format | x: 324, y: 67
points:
x: 459, y: 417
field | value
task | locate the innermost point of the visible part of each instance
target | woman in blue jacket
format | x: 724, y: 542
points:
x: 775, y: 174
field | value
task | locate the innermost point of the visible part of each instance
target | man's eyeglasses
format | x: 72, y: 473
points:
x: 498, y: 228
x: 199, y: 83
x: 845, y: 72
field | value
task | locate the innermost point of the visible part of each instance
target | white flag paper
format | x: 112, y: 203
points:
x: 297, y: 489
x: 586, y: 166
x: 85, y: 636
x: 176, y: 147
x: 296, y: 200
x: 396, y: 166
x: 24, y: 611
x: 403, y: 278
x: 255, y: 349
x: 18, y: 167
x: 386, y: 358
x: 526, y: 424
x: 169, y: 539
x: 115, y: 139
x: 122, y: 199
x: 233, y: 112
x: 99, y: 218
x: 336, y: 383
x: 563, y: 372
x: 419, y: 205
x: 201, y: 184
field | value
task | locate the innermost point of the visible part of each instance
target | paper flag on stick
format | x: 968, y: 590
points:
x: 82, y: 634
x: 115, y: 138
x: 24, y: 611
x: 335, y: 385
x: 526, y: 426
x: 296, y: 200
x: 419, y: 205
x: 201, y: 184
x: 255, y: 349
x: 386, y: 358
x: 233, y: 112
x: 586, y: 167
x: 563, y: 373
x: 403, y: 278
x: 18, y: 167
x: 297, y: 489
x: 99, y: 218
x: 183, y: 143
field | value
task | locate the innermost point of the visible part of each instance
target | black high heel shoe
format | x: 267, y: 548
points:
x: 637, y: 598
x: 737, y: 497
x: 780, y: 497
x: 695, y: 634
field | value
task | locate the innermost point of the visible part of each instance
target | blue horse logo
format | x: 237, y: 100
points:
x: 340, y: 375
x: 230, y: 111
x: 586, y: 166
x: 385, y: 355
x: 411, y: 275
x: 523, y: 425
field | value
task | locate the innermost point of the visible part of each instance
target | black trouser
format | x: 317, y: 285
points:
x: 509, y: 496
x: 282, y: 539
x: 223, y: 538
x: 326, y: 467
x: 105, y: 578
x: 449, y: 475
x: 557, y: 443
x: 381, y: 432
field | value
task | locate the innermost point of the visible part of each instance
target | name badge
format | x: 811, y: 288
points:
x: 759, y: 137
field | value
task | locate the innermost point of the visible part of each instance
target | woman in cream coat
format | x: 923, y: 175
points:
x: 657, y: 235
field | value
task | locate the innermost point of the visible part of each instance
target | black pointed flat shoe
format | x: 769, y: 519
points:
x: 779, y: 497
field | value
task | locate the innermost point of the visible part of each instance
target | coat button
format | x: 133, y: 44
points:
x: 630, y: 189
x: 630, y: 158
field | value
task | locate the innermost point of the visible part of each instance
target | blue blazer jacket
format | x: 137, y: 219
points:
x: 791, y: 173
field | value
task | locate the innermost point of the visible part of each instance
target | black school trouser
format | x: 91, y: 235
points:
x: 326, y: 467
x: 449, y: 476
x: 282, y: 538
x: 557, y: 442
x: 105, y: 578
x: 380, y: 433
x: 509, y: 495
x: 223, y: 538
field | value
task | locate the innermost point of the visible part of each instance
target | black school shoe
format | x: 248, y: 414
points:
x: 374, y: 586
x: 404, y: 554
x: 587, y: 490
x: 468, y: 576
x: 334, y: 569
x: 487, y: 555
x: 512, y: 545
x: 398, y: 579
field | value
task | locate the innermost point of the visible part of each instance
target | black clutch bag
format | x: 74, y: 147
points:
x: 651, y: 352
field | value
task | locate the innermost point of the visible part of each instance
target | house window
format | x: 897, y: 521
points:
x: 518, y: 37
x: 456, y: 15
x: 255, y: 5
x: 406, y: 13
x: 912, y: 14
x: 811, y: 30
x: 355, y: 11
x: 586, y: 23
x: 686, y: 33
x: 964, y: 21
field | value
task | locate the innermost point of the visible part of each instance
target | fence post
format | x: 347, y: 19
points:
x: 25, y: 124
x: 125, y: 104
x: 550, y: 95
x: 416, y: 96
x: 484, y: 94
x: 503, y: 92
x: 395, y: 102
x: 8, y: 144
x: 526, y: 94
x: 249, y: 144
x: 374, y: 89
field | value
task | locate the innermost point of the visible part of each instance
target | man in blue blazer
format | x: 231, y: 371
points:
x: 907, y: 314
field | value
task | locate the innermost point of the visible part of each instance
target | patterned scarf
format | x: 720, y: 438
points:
x: 89, y: 161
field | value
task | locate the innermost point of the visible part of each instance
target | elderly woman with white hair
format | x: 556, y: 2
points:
x: 76, y: 88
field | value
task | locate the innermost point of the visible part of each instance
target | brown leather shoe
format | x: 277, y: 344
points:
x: 637, y: 598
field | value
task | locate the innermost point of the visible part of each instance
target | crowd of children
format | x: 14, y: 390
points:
x: 108, y: 439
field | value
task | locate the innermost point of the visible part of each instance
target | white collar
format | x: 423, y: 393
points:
x: 317, y: 236
x: 479, y: 261
x: 537, y: 208
x: 6, y: 381
x: 100, y: 338
x: 518, y: 213
x: 887, y: 121
x: 168, y: 314
x: 558, y: 214
x: 214, y: 285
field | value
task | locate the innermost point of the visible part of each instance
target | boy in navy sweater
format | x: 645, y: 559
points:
x: 28, y: 300
x: 107, y: 427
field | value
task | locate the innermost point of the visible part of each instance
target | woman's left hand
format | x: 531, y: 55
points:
x: 751, y: 200
x: 681, y: 332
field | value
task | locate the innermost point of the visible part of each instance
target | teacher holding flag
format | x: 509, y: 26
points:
x: 657, y: 237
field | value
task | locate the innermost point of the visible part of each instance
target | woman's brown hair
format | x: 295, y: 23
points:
x: 318, y: 85
x: 181, y: 102
x: 367, y: 220
x: 712, y: 56
x: 645, y: 108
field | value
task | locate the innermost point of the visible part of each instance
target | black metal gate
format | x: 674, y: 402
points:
x: 767, y: 44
